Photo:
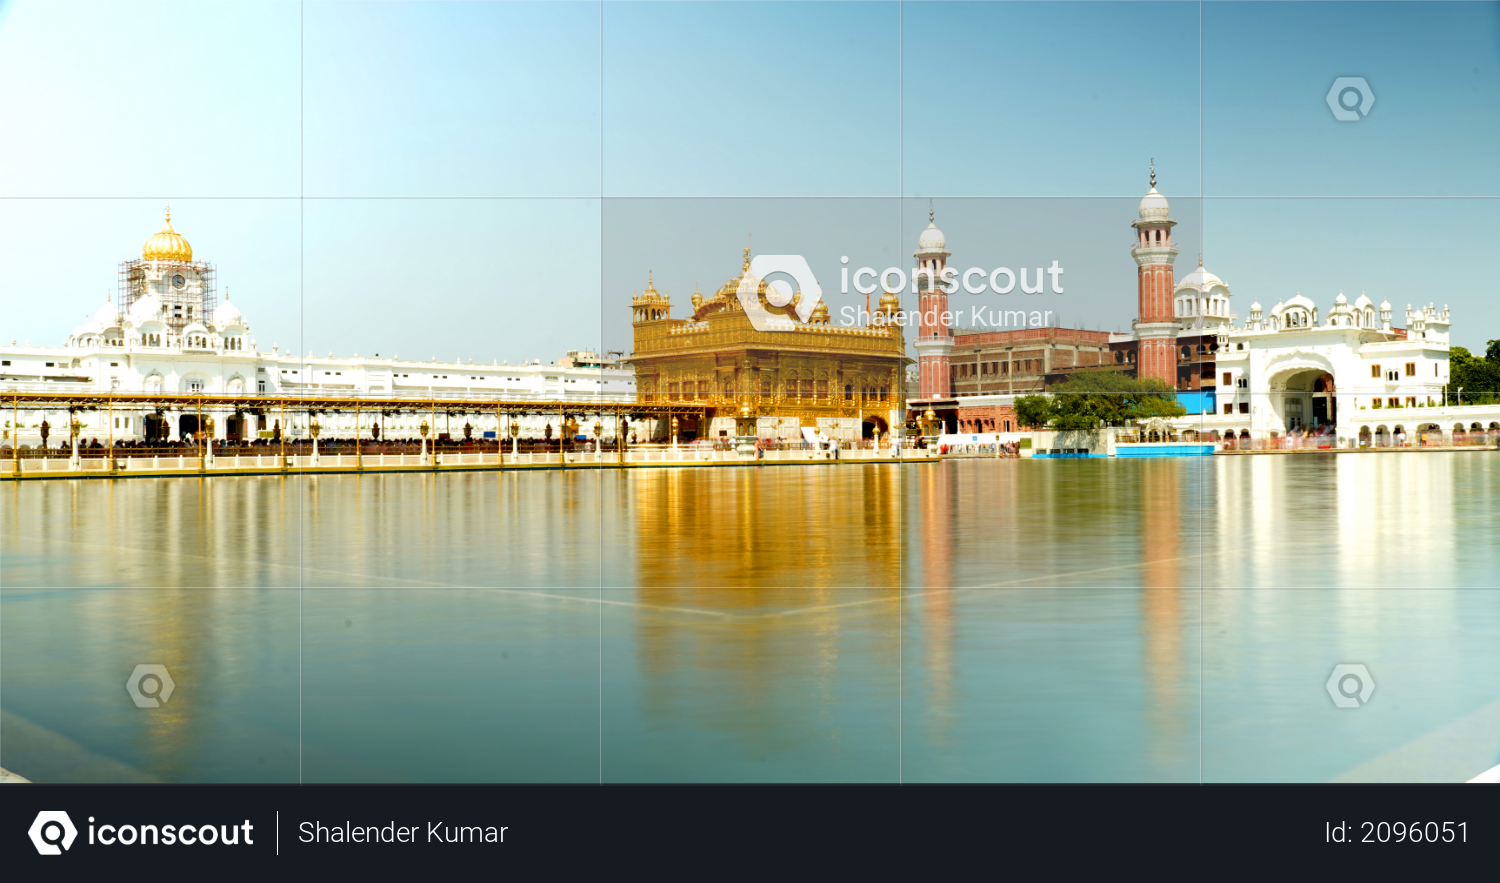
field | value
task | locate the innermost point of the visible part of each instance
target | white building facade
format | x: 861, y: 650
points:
x: 1346, y: 372
x: 167, y: 333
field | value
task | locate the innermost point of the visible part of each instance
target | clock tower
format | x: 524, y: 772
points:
x: 183, y: 287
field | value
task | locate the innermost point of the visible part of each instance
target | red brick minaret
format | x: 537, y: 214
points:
x: 934, y: 334
x: 1154, y: 252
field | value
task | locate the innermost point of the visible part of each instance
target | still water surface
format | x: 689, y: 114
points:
x: 1167, y: 620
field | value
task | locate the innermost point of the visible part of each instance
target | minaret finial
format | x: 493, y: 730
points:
x: 931, y: 219
x: 1153, y: 173
x: 1200, y: 263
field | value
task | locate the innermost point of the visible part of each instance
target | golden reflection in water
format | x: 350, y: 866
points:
x: 937, y: 523
x: 172, y: 628
x: 1161, y: 608
x: 765, y: 594
x: 941, y: 698
x: 764, y: 665
x: 816, y: 526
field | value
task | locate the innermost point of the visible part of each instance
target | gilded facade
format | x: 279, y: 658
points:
x: 845, y: 380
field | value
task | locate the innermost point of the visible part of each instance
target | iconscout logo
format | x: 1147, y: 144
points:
x: 52, y: 832
x: 778, y: 292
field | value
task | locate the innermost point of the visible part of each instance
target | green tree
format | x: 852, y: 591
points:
x: 1088, y: 398
x: 1035, y: 411
x: 1478, y: 378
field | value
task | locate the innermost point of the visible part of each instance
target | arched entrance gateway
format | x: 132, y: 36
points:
x: 870, y: 424
x: 1303, y: 394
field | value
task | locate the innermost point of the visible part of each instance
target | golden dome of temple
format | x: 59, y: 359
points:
x: 651, y: 294
x: 167, y: 244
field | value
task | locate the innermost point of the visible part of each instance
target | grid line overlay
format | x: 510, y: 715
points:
x: 604, y: 305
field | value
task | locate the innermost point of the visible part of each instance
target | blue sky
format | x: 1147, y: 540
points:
x: 492, y: 180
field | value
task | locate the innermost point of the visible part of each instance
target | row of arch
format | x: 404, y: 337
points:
x: 156, y: 339
x: 1381, y: 429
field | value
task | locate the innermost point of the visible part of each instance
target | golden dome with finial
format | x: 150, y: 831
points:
x: 651, y: 294
x: 890, y: 304
x: 697, y: 298
x: 820, y: 313
x: 167, y: 244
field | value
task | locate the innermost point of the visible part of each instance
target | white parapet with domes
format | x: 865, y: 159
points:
x: 171, y: 339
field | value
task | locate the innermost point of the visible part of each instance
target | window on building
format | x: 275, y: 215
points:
x: 1411, y: 401
x: 1411, y: 369
x: 1375, y: 371
x: 1228, y: 408
x: 1393, y: 402
x: 1244, y: 407
x: 1228, y: 378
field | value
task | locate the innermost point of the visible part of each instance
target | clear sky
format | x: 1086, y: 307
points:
x: 491, y: 181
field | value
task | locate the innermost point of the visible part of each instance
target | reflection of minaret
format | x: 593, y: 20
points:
x: 1160, y: 525
x: 935, y: 503
x: 938, y: 620
x: 1161, y: 611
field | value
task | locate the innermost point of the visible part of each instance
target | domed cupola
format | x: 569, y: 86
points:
x: 227, y: 315
x: 146, y: 309
x: 196, y: 336
x: 107, y: 316
x: 932, y: 242
x: 932, y: 239
x: 1340, y: 314
x: 1153, y: 205
x: 167, y: 244
x: 1201, y: 280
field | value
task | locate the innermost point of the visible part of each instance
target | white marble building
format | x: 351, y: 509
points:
x: 168, y: 333
x: 1348, y: 370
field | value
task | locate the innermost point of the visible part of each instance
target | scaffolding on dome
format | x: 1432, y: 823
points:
x: 181, y: 306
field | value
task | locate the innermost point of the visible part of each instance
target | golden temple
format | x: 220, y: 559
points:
x: 846, y: 380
